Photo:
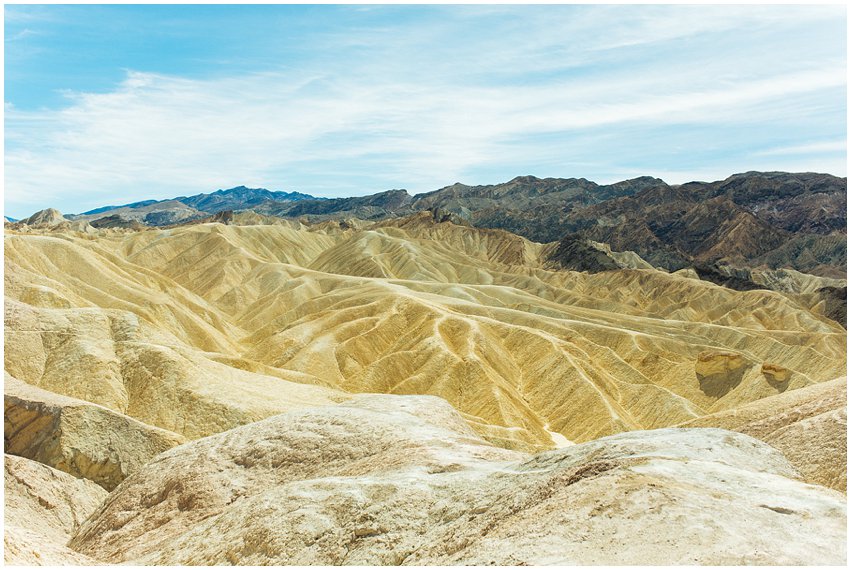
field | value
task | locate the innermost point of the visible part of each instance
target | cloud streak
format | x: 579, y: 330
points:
x: 392, y: 112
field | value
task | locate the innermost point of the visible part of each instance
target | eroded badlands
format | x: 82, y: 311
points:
x: 268, y: 382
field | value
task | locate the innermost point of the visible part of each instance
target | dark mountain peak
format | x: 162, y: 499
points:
x: 236, y: 198
x: 103, y: 209
x: 239, y: 198
x: 455, y: 187
x: 755, y: 173
x: 388, y: 203
x: 521, y: 188
x: 235, y: 190
x: 775, y: 174
x: 645, y: 181
x: 388, y: 199
x: 527, y: 179
x: 631, y: 187
x: 247, y: 191
x: 777, y: 177
x: 393, y: 192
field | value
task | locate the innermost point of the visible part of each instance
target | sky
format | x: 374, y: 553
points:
x: 109, y: 104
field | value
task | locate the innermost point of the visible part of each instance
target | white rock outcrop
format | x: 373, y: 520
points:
x: 402, y: 480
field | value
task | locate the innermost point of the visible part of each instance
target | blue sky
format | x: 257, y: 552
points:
x: 108, y: 104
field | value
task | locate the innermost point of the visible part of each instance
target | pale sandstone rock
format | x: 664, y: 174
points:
x: 375, y: 481
x: 203, y: 328
x: 48, y: 217
x: 120, y: 361
x: 718, y: 362
x: 23, y: 547
x: 43, y: 508
x: 77, y: 437
x: 775, y: 373
x: 808, y: 425
x: 719, y: 372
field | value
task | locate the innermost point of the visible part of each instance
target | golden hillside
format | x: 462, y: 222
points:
x: 200, y: 328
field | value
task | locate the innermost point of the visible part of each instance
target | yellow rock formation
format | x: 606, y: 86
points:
x: 43, y: 509
x: 200, y: 328
x: 80, y: 438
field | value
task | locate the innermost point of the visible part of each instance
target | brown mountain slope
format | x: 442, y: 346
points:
x: 804, y: 202
x: 719, y: 230
x: 779, y: 219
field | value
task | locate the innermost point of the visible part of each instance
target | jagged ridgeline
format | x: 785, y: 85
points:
x: 771, y: 219
x: 399, y: 364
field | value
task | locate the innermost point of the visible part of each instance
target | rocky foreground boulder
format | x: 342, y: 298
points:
x: 403, y: 480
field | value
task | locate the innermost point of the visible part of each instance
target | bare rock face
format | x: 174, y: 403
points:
x: 576, y: 253
x: 808, y: 425
x: 43, y: 507
x: 118, y: 360
x: 199, y: 329
x: 22, y: 547
x: 80, y: 438
x: 402, y: 480
x: 710, y: 363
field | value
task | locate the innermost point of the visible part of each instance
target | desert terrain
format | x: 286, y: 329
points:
x: 400, y: 384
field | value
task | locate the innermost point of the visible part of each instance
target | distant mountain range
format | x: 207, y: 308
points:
x: 183, y: 208
x: 770, y: 219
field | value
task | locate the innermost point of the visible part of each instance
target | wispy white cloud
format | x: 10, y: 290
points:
x: 534, y: 92
x: 25, y: 33
x: 819, y: 147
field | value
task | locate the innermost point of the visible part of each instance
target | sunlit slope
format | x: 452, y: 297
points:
x: 400, y: 480
x: 411, y: 306
x: 82, y: 321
